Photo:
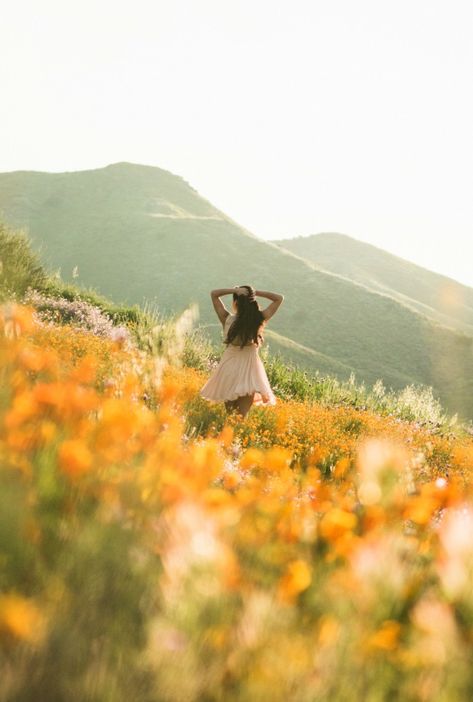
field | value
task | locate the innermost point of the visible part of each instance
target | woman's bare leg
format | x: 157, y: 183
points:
x: 231, y: 405
x: 241, y: 405
x: 244, y: 403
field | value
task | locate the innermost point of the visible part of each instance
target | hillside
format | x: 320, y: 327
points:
x: 140, y: 233
x: 442, y: 299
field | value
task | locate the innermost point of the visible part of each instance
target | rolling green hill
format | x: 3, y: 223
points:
x: 442, y: 299
x: 140, y: 233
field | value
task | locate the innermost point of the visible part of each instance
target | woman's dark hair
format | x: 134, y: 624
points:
x: 248, y: 321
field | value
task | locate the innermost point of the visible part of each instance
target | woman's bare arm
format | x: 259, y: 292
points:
x: 274, y: 306
x: 219, y: 307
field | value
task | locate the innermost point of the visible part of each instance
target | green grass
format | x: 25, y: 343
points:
x: 20, y: 266
x: 413, y: 403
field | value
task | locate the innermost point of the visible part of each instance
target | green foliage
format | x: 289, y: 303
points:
x: 413, y: 403
x: 53, y: 286
x: 163, y: 336
x: 199, y: 352
x: 203, y: 418
x: 20, y: 267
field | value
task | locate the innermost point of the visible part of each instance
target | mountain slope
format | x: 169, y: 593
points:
x: 442, y: 299
x: 139, y: 233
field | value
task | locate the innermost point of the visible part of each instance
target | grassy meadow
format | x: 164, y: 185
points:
x: 154, y: 548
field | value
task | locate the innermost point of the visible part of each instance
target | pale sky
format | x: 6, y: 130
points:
x: 292, y: 116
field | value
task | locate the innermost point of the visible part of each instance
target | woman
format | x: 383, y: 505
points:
x: 240, y: 379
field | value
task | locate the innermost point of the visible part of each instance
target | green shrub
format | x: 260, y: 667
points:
x: 199, y: 352
x: 56, y: 288
x: 413, y: 403
x: 163, y: 335
x: 20, y: 268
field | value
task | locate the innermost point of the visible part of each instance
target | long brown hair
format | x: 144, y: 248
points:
x: 248, y: 321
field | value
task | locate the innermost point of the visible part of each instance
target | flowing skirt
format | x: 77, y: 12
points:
x: 239, y: 372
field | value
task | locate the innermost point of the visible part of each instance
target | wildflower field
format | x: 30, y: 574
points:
x: 153, y: 548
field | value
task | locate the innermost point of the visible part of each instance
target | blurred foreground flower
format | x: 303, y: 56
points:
x: 381, y: 465
x: 16, y: 319
x: 296, y: 579
x: 455, y: 564
x: 21, y: 618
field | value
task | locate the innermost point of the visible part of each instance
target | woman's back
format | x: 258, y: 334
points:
x: 226, y: 326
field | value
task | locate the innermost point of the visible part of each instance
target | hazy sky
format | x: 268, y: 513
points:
x: 293, y: 117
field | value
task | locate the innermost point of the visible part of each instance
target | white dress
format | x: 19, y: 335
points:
x: 239, y: 372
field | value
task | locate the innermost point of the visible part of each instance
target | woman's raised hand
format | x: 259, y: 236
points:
x: 241, y: 291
